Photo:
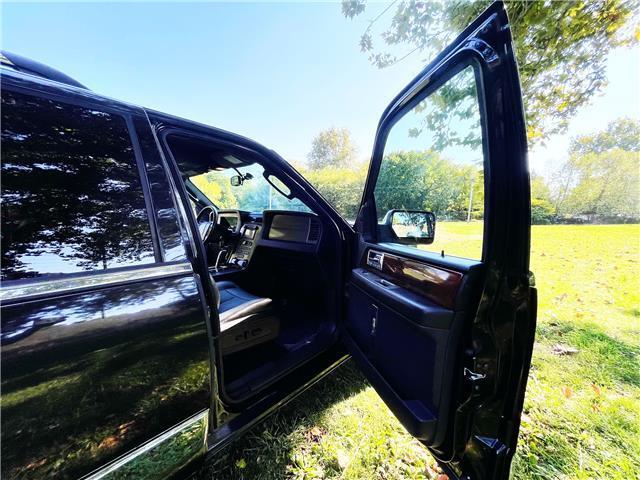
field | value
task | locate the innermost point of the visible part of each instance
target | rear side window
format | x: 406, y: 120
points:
x: 72, y: 199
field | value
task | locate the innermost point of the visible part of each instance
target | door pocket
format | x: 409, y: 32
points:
x: 414, y: 307
x: 398, y: 333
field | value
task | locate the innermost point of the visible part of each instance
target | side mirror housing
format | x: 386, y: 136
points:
x: 411, y: 226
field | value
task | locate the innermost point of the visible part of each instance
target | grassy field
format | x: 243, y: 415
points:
x: 582, y: 408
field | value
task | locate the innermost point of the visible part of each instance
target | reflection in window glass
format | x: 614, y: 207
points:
x: 433, y: 160
x: 71, y: 194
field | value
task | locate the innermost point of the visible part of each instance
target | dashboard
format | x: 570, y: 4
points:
x: 245, y: 245
x: 290, y: 227
x: 288, y: 230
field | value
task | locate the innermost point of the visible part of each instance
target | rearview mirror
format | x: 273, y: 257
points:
x: 239, y: 179
x: 412, y: 226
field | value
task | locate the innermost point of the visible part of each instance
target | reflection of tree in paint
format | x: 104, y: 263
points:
x: 126, y: 363
x: 71, y: 194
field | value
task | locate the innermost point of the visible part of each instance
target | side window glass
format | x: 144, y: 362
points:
x: 433, y: 161
x: 72, y: 198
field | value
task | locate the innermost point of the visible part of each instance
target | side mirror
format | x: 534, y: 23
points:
x: 236, y: 180
x: 411, y: 226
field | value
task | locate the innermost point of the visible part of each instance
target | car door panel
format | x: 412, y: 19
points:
x: 410, y: 388
x: 412, y: 304
x: 103, y: 358
x: 90, y: 375
x: 418, y: 310
x: 447, y: 341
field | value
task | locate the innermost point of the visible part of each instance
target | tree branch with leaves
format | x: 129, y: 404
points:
x: 561, y: 47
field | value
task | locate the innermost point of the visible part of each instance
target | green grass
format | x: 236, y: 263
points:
x: 582, y: 412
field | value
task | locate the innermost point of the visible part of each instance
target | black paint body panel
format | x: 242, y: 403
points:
x: 93, y: 375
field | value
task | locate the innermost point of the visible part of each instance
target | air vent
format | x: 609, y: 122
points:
x: 314, y: 231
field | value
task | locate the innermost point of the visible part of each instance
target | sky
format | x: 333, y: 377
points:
x: 278, y: 73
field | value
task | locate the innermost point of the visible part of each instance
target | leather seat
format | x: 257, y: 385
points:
x: 245, y: 319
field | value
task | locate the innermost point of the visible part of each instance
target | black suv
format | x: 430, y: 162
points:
x: 146, y: 321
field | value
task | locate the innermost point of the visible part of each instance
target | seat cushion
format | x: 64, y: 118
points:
x: 236, y: 304
x: 245, y: 319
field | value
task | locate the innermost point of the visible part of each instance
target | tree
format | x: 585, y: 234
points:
x: 601, y: 176
x: 561, y: 47
x: 539, y: 188
x: 451, y: 114
x: 424, y: 180
x: 623, y: 133
x: 607, y: 184
x: 401, y: 181
x: 332, y: 147
x: 333, y: 169
x: 542, y: 212
x: 217, y: 188
x: 542, y: 208
x: 342, y: 187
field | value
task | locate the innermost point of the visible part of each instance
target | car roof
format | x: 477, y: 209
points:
x: 24, y: 64
x: 29, y: 73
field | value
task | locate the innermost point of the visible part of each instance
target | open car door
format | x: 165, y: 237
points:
x: 440, y: 314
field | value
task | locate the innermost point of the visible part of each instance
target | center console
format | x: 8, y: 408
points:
x: 246, y: 245
x: 289, y: 230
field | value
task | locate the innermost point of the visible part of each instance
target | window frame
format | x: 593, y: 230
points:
x: 406, y: 101
x: 142, y: 126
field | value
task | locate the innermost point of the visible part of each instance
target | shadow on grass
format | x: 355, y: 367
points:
x: 265, y: 451
x: 590, y: 433
x: 615, y: 360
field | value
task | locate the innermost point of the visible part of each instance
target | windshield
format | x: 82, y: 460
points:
x: 254, y: 195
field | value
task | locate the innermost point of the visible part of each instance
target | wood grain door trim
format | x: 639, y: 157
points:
x: 438, y: 284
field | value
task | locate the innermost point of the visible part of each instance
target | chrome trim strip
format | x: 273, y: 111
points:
x: 94, y: 279
x: 194, y: 431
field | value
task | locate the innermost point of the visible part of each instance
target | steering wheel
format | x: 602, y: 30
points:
x: 207, y: 219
